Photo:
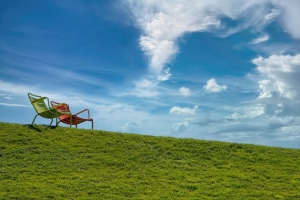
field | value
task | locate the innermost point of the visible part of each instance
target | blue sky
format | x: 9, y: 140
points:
x: 215, y: 70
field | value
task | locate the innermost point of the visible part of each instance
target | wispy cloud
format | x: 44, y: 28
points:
x: 144, y: 87
x: 165, y: 75
x: 15, y: 89
x: 260, y: 39
x: 14, y: 105
x: 54, y: 69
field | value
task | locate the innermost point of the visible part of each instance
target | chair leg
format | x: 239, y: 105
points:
x: 51, y: 122
x: 92, y: 124
x: 34, y: 119
x: 71, y: 121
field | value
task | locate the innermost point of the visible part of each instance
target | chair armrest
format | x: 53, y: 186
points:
x: 84, y: 111
x: 65, y: 113
x: 61, y: 112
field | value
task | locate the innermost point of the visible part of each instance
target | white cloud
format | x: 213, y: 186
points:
x: 14, y: 105
x: 186, y: 92
x: 165, y: 76
x: 160, y: 52
x: 280, y: 85
x: 202, y: 121
x: 283, y: 72
x: 290, y: 16
x: 179, y: 127
x: 15, y: 89
x: 260, y: 39
x: 248, y: 112
x: 130, y: 127
x: 272, y: 15
x: 267, y: 89
x: 212, y: 86
x: 145, y: 87
x: 183, y: 111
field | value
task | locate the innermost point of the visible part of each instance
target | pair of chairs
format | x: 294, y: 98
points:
x: 56, y: 110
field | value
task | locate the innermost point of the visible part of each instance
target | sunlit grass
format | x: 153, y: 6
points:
x: 64, y: 163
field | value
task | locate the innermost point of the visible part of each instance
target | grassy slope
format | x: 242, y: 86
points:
x: 64, y: 163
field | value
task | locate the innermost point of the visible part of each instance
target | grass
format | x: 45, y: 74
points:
x: 64, y: 163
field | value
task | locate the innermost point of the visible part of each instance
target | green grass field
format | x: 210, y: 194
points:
x: 64, y: 163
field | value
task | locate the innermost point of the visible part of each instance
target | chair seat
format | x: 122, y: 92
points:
x: 75, y: 119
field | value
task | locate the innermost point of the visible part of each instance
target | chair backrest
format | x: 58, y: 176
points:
x: 61, y: 107
x: 38, y: 103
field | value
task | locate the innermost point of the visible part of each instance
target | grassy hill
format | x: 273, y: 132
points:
x: 64, y: 163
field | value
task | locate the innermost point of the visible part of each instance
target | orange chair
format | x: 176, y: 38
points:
x: 70, y: 119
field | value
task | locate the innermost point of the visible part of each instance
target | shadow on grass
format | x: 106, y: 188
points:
x: 39, y: 130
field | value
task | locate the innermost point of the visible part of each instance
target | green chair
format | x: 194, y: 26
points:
x: 43, y: 110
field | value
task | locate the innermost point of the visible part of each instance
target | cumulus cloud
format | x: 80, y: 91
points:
x: 280, y: 85
x: 282, y: 73
x: 183, y: 91
x: 268, y: 89
x: 179, y: 127
x: 212, y: 86
x: 183, y: 111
